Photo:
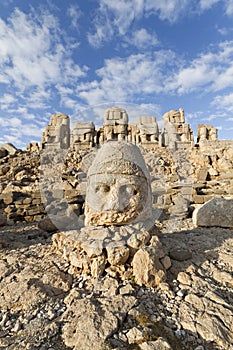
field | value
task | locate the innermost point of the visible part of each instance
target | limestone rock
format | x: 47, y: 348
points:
x: 147, y: 268
x: 216, y: 212
x: 11, y: 149
x: 4, y: 169
x: 89, y: 322
x: 181, y: 207
x: 47, y: 225
x: 134, y: 335
x: 212, y: 321
x: 159, y: 344
x: 180, y: 254
x: 118, y: 255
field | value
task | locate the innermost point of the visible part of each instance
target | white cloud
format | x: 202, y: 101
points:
x: 32, y: 53
x: 124, y: 79
x: 7, y: 101
x: 224, y: 102
x: 10, y: 122
x: 74, y: 13
x: 229, y: 7
x: 38, y: 98
x: 170, y: 10
x: 211, y: 71
x: 207, y: 4
x: 123, y: 12
x: 224, y: 31
x: 115, y: 17
x: 142, y: 39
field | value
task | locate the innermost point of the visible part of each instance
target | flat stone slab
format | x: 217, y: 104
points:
x: 216, y: 212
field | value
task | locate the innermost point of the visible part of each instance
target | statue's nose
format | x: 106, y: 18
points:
x: 114, y: 201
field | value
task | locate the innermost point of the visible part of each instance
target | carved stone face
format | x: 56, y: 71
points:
x: 115, y: 199
x: 118, y: 188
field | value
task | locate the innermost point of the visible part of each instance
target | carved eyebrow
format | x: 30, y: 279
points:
x: 105, y: 183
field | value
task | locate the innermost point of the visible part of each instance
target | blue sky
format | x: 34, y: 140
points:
x: 81, y: 57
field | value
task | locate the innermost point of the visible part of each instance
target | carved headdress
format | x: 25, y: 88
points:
x: 122, y: 158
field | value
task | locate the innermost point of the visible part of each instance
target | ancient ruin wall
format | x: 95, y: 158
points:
x: 183, y: 174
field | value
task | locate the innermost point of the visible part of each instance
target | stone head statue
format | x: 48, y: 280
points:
x: 118, y: 188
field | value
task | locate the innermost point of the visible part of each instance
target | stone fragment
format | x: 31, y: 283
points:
x: 216, y: 212
x: 210, y: 328
x: 184, y: 278
x: 97, y: 266
x: 11, y: 149
x: 180, y: 254
x: 202, y: 173
x: 166, y: 262
x: 212, y: 320
x: 47, y: 225
x: 223, y: 277
x: 134, y: 335
x: 4, y: 169
x: 181, y: 207
x: 89, y: 322
x: 147, y: 269
x: 117, y: 255
x: 128, y: 289
x: 159, y: 344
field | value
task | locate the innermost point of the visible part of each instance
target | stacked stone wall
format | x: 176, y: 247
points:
x: 179, y: 180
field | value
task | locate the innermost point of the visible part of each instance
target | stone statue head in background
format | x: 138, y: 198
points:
x: 118, y: 188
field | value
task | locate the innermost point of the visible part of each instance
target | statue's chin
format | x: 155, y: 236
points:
x: 108, y: 218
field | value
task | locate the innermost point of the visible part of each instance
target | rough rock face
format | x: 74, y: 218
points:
x: 96, y: 251
x: 147, y: 264
x: 118, y: 213
x: 85, y: 330
x: 44, y: 306
x: 216, y: 212
x: 11, y: 149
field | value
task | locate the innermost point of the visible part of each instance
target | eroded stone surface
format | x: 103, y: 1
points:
x: 119, y: 190
x: 216, y: 212
x: 40, y: 299
x: 85, y: 330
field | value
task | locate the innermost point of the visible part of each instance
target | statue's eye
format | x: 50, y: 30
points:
x: 102, y: 188
x: 106, y: 188
x: 129, y: 190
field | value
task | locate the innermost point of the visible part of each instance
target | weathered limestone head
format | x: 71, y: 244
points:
x: 118, y: 188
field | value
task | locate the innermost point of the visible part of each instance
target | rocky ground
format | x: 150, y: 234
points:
x: 44, y: 307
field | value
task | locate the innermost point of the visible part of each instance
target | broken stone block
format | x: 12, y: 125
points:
x: 11, y: 149
x: 216, y: 212
x: 147, y: 269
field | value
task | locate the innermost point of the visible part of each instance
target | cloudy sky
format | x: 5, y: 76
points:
x: 80, y: 57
